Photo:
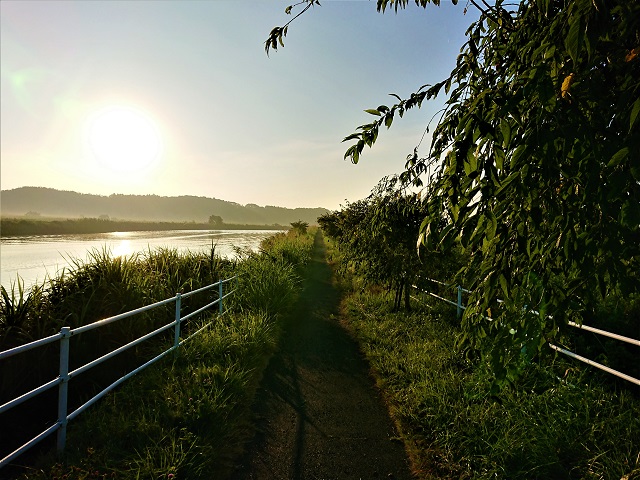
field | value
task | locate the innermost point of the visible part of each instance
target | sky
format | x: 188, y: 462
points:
x: 179, y: 98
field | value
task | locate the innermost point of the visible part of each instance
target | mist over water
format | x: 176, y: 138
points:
x: 34, y: 257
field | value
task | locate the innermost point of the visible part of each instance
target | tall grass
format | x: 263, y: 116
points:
x: 93, y: 289
x: 186, y: 416
x: 103, y: 286
x: 557, y: 421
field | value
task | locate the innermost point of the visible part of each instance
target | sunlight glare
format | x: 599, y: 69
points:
x: 123, y: 139
x: 123, y: 249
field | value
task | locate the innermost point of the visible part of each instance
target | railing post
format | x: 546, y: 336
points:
x: 220, y: 297
x: 176, y: 336
x: 63, y: 388
x: 459, y: 306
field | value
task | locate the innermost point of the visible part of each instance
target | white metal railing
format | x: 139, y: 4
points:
x: 65, y: 375
x: 460, y: 307
x: 460, y: 290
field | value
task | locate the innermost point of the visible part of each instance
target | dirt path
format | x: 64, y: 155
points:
x: 319, y: 415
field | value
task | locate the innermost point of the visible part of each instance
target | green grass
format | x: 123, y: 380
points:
x: 557, y: 421
x: 185, y: 416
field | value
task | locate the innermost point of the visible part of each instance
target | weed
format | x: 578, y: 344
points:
x: 556, y: 421
x: 186, y: 416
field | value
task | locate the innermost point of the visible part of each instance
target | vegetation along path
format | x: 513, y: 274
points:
x: 319, y: 415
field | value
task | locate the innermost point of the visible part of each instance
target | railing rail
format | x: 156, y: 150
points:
x: 460, y: 307
x: 65, y: 375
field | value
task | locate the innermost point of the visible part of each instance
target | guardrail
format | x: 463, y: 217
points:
x: 458, y: 304
x: 65, y: 375
x: 460, y: 307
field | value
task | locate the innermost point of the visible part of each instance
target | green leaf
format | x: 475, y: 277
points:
x: 468, y: 229
x: 373, y: 111
x: 388, y: 120
x: 515, y: 157
x: 503, y: 285
x: 634, y: 114
x: 471, y: 164
x: 630, y: 214
x: 492, y: 226
x: 506, y: 182
x: 619, y: 156
x: 505, y: 128
x: 353, y: 136
x: 499, y: 158
x: 573, y: 41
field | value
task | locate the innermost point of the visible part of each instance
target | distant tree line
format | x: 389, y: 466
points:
x: 32, y: 226
x: 48, y: 202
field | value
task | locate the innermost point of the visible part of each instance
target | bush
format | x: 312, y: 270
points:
x: 185, y: 416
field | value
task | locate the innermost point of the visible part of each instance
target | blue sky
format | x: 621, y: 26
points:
x: 230, y: 122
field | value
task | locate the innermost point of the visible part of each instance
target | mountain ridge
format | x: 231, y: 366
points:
x: 50, y: 202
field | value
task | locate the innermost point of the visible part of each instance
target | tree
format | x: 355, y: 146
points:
x: 377, y: 237
x: 216, y: 221
x: 537, y: 163
x: 300, y: 227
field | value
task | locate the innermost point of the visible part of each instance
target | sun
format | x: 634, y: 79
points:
x: 123, y: 138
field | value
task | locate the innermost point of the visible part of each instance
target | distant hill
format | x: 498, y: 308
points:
x: 49, y: 202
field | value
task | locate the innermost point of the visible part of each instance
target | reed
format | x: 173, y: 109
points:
x: 186, y: 416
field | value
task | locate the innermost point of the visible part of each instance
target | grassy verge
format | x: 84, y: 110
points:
x: 185, y: 416
x: 560, y: 420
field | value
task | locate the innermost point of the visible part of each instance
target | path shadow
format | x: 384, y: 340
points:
x: 317, y: 412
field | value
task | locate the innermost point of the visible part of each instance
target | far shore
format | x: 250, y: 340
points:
x: 14, y: 226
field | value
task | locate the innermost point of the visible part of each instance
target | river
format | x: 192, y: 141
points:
x: 33, y: 257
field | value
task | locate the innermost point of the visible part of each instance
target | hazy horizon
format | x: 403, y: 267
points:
x: 157, y: 195
x: 179, y: 98
x: 36, y: 202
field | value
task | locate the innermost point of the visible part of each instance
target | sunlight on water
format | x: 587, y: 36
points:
x: 34, y: 257
x: 123, y: 249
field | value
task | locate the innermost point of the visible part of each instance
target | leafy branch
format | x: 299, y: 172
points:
x: 278, y: 33
x: 537, y: 171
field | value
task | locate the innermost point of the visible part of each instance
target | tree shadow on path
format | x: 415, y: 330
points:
x: 318, y: 413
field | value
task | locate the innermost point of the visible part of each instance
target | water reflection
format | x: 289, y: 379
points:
x: 34, y: 257
x: 123, y: 249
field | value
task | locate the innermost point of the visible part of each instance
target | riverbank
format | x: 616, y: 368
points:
x: 187, y: 416
x: 34, y: 259
x: 15, y: 226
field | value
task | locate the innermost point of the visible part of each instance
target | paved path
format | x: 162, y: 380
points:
x: 319, y: 415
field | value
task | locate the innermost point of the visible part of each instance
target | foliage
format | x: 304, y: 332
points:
x: 277, y: 35
x: 556, y: 421
x: 31, y: 226
x: 537, y: 165
x: 216, y: 221
x: 182, y: 418
x: 300, y: 227
x: 291, y: 247
x: 378, y: 238
x: 269, y: 281
x: 185, y: 416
